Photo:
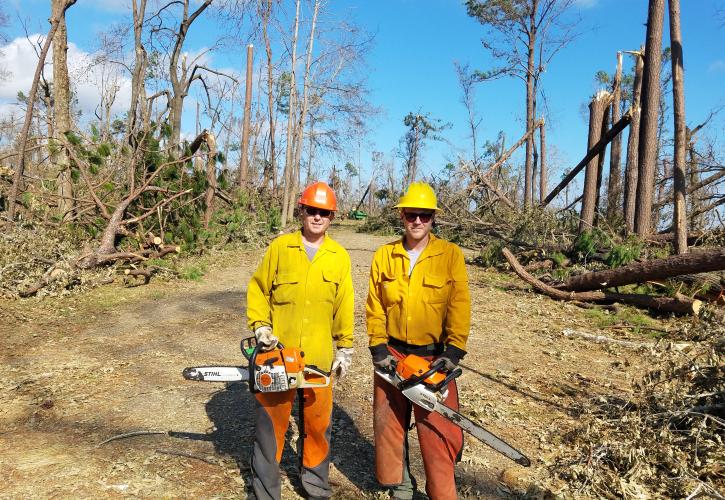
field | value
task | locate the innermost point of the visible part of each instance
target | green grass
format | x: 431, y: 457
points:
x: 193, y: 271
x: 626, y: 316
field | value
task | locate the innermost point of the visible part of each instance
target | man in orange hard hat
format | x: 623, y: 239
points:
x: 418, y: 303
x: 301, y: 295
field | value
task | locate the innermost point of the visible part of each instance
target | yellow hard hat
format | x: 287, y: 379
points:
x: 419, y: 195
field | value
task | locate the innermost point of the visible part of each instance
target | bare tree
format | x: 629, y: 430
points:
x: 180, y: 72
x: 138, y: 73
x: 678, y: 100
x: 300, y: 123
x: 525, y: 34
x: 270, y: 171
x: 22, y: 141
x: 289, y: 153
x: 647, y: 158
x: 61, y: 109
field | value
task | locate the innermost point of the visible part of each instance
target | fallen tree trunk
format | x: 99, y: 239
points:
x: 596, y: 149
x: 677, y: 305
x: 692, y: 263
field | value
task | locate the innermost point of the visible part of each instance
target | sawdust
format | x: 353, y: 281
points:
x: 79, y: 370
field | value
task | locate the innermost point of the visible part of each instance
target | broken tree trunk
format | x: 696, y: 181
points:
x: 594, y: 151
x: 677, y: 305
x: 700, y: 262
x: 590, y: 194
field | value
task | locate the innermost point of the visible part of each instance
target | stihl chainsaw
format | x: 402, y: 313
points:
x: 280, y: 369
x: 424, y: 384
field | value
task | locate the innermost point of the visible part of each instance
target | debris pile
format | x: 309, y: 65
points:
x: 665, y: 441
x: 37, y: 259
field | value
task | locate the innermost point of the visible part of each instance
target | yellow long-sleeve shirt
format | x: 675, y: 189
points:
x: 307, y: 304
x: 431, y: 305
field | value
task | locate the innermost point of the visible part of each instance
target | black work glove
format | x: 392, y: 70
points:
x: 450, y: 358
x: 382, y: 359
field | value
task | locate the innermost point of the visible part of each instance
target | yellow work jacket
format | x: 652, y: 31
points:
x: 431, y: 305
x: 307, y: 304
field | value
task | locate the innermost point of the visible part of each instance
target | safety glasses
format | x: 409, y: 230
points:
x: 424, y: 217
x: 312, y: 211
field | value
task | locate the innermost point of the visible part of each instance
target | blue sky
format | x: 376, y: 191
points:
x: 411, y: 68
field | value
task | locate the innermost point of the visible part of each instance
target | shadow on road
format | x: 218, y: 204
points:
x: 231, y: 412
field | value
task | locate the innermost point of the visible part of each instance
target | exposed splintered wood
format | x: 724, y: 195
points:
x: 700, y: 262
x: 676, y: 305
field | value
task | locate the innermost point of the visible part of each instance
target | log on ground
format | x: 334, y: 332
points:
x: 678, y: 304
x: 657, y: 269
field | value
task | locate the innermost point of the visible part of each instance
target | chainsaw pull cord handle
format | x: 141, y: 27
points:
x: 252, y: 358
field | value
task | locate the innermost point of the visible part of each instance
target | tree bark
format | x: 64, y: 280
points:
x: 589, y: 199
x: 677, y: 305
x: 614, y: 187
x: 630, y: 172
x: 244, y: 160
x: 211, y: 184
x: 647, y: 158
x: 270, y: 170
x: 600, y: 162
x: 530, y: 111
x: 678, y: 108
x: 700, y: 262
x: 542, y: 161
x: 61, y: 111
x: 287, y: 210
x: 23, y: 139
x: 138, y: 85
x: 592, y: 153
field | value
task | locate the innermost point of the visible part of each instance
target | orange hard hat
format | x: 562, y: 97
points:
x: 319, y: 195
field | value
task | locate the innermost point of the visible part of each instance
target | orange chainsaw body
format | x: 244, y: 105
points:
x: 284, y: 369
x: 413, y: 365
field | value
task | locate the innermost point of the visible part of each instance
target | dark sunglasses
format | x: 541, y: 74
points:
x: 424, y: 217
x: 311, y: 211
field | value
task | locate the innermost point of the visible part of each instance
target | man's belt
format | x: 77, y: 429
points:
x: 419, y: 350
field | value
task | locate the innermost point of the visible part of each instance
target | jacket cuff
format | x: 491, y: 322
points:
x: 454, y: 353
x: 379, y: 352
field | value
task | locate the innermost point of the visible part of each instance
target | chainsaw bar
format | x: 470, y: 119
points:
x: 216, y: 373
x: 424, y: 398
x: 482, y: 434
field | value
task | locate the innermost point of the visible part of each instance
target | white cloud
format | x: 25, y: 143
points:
x: 717, y: 66
x: 89, y: 78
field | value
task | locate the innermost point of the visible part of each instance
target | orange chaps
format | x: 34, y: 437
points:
x: 273, y: 413
x: 441, y: 441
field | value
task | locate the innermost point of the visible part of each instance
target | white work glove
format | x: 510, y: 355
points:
x: 265, y: 339
x: 343, y: 360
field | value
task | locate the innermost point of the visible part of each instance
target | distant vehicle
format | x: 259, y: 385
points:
x: 357, y: 215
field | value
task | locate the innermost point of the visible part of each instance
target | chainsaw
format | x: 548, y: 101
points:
x: 278, y: 370
x: 424, y: 384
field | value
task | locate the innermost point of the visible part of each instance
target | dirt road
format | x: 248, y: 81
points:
x: 80, y: 370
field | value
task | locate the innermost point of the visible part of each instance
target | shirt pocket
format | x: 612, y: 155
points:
x: 284, y: 288
x: 435, y: 289
x: 327, y: 291
x: 392, y: 290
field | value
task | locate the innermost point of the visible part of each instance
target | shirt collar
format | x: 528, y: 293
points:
x: 433, y: 247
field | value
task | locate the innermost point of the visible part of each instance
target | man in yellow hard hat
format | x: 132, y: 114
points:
x: 418, y: 303
x: 301, y: 295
